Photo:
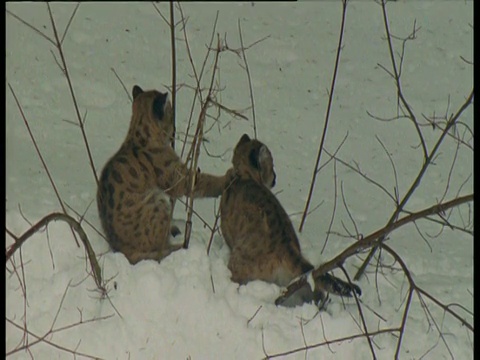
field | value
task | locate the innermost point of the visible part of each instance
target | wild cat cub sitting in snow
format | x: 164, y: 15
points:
x: 263, y: 242
x: 138, y: 182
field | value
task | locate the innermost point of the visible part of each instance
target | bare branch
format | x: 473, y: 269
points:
x: 69, y: 22
x: 45, y: 167
x: 396, y: 75
x: 174, y: 71
x: 418, y: 179
x: 123, y: 85
x: 74, y: 225
x: 160, y: 13
x: 250, y: 87
x: 58, y: 45
x: 376, y: 239
x: 327, y: 115
x: 195, y: 149
x: 31, y: 27
x: 334, y: 210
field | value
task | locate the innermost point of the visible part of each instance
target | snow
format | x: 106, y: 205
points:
x: 187, y: 306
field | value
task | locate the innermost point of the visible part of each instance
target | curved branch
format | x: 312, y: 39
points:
x: 451, y: 122
x: 375, y: 239
x: 75, y: 225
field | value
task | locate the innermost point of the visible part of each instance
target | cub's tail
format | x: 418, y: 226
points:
x: 305, y: 289
x: 331, y: 284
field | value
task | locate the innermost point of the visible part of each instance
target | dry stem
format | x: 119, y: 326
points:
x: 250, y: 87
x: 327, y: 115
x: 417, y: 180
x: 376, y: 238
x: 81, y: 124
x: 96, y: 271
x: 174, y: 71
x: 195, y: 149
x: 428, y: 157
x: 45, y: 338
x: 44, y: 164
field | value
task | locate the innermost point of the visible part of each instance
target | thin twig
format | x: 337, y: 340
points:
x: 213, y: 230
x: 198, y: 76
x: 334, y: 210
x: 69, y: 22
x: 45, y: 167
x: 51, y: 343
x: 397, y: 74
x: 360, y: 312
x: 123, y: 85
x: 72, y: 93
x: 329, y: 342
x: 327, y: 115
x: 174, y: 70
x: 195, y: 149
x: 376, y: 238
x: 250, y: 87
x: 397, y: 190
x: 416, y: 182
x: 31, y: 27
x: 160, y: 13
x: 97, y: 275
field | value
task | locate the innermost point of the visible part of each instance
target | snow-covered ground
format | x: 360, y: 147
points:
x: 186, y: 307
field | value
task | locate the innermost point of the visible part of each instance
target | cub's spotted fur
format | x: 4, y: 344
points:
x: 138, y: 182
x: 263, y: 242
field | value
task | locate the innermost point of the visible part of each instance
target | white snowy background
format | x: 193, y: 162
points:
x: 186, y: 307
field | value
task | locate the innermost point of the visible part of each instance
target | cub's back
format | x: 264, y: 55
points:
x: 252, y: 215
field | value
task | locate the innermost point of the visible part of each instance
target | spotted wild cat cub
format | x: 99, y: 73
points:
x: 137, y: 183
x: 263, y: 242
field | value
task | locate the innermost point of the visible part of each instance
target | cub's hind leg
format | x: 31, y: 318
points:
x: 135, y: 256
x: 147, y: 227
x: 252, y: 265
x: 243, y: 269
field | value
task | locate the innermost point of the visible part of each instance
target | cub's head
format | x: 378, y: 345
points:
x: 152, y: 116
x: 253, y: 160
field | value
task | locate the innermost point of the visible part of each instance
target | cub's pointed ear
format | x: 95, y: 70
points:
x: 158, y: 107
x: 263, y: 155
x: 245, y: 138
x: 253, y: 158
x: 259, y: 157
x: 137, y: 90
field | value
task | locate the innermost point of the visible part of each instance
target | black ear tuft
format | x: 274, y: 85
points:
x: 253, y: 158
x: 137, y: 90
x: 245, y: 138
x: 159, y: 105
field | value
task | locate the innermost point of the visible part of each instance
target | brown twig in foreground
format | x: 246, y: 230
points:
x: 197, y: 76
x: 47, y: 337
x: 451, y: 122
x: 214, y: 229
x: 367, y: 242
x: 377, y: 237
x: 97, y: 274
x: 330, y: 342
x: 195, y: 149
x: 414, y: 288
x: 428, y: 157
